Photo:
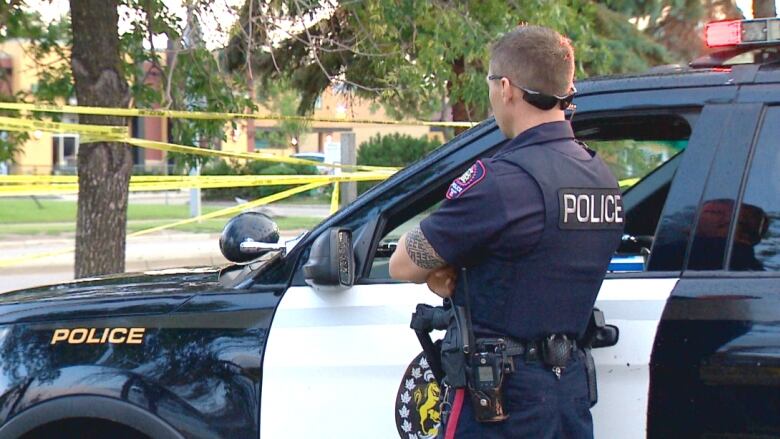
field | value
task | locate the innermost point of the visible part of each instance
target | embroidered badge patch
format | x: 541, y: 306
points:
x: 469, y: 179
x: 417, y: 413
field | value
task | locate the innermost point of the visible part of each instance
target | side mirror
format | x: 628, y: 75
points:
x: 332, y: 260
x: 599, y: 334
x: 248, y: 236
x: 606, y: 337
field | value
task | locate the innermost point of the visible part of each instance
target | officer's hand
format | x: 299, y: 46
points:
x: 442, y: 281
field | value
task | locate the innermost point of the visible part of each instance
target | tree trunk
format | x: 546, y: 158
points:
x: 764, y: 8
x: 459, y: 111
x: 104, y: 168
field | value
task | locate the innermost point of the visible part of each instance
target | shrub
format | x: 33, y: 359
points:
x: 253, y: 168
x: 392, y: 150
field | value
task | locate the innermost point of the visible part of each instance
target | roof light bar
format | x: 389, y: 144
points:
x: 759, y: 32
x: 723, y: 33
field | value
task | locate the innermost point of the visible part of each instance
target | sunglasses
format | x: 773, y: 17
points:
x: 540, y: 100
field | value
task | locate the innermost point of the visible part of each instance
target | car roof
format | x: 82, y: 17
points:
x: 670, y: 77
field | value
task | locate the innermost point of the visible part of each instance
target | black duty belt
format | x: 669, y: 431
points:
x: 510, y: 347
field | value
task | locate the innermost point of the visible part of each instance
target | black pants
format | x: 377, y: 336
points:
x: 539, y: 406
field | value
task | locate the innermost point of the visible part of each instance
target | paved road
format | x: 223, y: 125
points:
x: 10, y: 282
x: 164, y: 250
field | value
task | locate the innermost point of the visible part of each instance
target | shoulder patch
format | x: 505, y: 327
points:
x: 469, y: 179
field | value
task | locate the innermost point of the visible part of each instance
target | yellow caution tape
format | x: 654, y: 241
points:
x: 233, y: 210
x: 270, y: 179
x: 202, y: 115
x: 101, y: 133
x: 172, y: 147
x: 628, y: 182
x: 69, y: 184
x: 334, y: 199
x: 10, y: 262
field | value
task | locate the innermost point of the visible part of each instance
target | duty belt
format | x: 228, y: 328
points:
x: 529, y: 350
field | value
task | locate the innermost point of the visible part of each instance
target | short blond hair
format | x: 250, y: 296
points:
x: 535, y: 57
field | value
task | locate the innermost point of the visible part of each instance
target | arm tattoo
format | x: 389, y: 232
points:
x: 421, y: 252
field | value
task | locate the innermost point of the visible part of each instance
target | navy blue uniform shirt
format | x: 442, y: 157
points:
x: 495, y: 209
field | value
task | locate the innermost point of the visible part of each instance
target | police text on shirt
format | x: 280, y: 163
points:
x: 590, y: 209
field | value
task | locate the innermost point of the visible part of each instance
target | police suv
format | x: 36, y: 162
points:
x: 313, y: 340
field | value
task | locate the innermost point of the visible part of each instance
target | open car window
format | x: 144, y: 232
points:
x: 642, y: 150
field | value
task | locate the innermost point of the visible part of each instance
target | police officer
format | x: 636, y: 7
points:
x: 534, y: 226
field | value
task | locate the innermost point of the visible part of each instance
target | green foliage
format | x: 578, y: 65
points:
x: 407, y: 53
x: 17, y: 22
x: 676, y: 24
x: 636, y: 158
x: 190, y: 77
x: 222, y: 167
x: 280, y: 98
x: 392, y: 150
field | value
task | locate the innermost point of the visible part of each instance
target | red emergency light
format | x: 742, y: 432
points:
x: 723, y: 33
x: 740, y: 33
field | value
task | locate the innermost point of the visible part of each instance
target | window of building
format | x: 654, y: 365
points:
x: 65, y: 149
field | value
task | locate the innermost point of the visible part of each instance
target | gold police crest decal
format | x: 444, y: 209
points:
x: 417, y: 413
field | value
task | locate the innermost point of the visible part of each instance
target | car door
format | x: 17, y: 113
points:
x: 341, y: 354
x: 657, y: 213
x: 716, y: 358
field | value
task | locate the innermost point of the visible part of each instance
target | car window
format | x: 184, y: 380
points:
x: 756, y: 240
x: 634, y: 148
x: 380, y: 268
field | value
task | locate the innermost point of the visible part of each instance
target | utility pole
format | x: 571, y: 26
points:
x: 348, y: 191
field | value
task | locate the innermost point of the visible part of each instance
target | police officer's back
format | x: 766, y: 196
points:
x: 534, y: 227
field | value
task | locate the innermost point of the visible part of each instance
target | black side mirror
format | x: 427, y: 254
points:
x: 606, y: 337
x: 248, y: 236
x: 599, y: 334
x: 332, y: 259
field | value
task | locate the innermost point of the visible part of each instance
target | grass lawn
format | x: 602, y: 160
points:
x: 26, y: 217
x: 27, y: 211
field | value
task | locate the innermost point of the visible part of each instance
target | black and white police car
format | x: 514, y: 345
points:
x: 269, y: 349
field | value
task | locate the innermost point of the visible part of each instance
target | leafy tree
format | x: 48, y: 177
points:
x: 17, y: 22
x: 764, y: 8
x: 416, y: 55
x: 677, y: 24
x: 104, y: 68
x: 281, y: 99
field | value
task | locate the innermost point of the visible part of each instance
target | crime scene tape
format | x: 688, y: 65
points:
x: 334, y: 199
x: 628, y: 182
x: 172, y: 147
x: 233, y: 210
x: 12, y: 186
x: 107, y: 133
x: 203, y: 115
x: 10, y: 262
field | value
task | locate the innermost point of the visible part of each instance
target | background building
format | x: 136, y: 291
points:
x: 47, y: 153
